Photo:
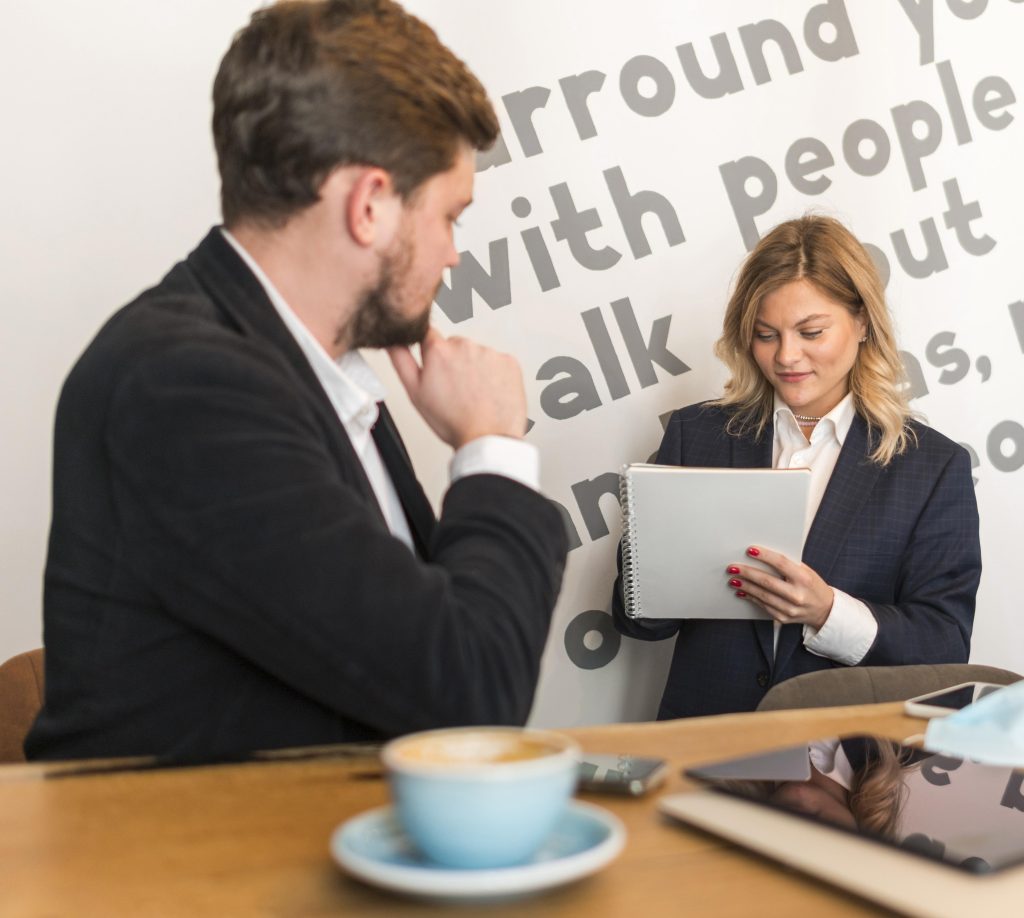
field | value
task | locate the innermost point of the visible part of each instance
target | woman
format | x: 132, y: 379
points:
x: 891, y: 563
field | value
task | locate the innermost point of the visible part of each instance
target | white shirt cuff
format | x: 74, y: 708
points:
x: 848, y: 632
x: 494, y: 455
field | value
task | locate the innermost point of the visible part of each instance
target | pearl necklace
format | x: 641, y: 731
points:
x: 805, y: 420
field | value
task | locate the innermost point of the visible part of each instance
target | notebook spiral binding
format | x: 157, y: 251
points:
x: 630, y: 580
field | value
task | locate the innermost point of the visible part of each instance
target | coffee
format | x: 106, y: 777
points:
x: 480, y: 797
x: 477, y: 748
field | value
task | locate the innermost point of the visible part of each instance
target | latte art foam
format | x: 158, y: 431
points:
x: 473, y: 748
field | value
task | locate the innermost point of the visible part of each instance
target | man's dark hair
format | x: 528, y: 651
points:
x: 309, y: 86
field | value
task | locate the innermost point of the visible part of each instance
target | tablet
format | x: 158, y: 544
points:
x: 681, y: 527
x: 963, y: 815
x: 899, y: 880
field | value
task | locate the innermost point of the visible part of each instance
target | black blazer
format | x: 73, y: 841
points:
x: 220, y: 577
x: 903, y: 539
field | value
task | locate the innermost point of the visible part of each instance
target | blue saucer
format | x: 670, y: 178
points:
x: 374, y: 848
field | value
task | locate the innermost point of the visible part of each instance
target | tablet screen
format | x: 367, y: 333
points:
x: 966, y: 815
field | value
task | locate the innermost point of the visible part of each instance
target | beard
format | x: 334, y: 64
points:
x: 377, y: 321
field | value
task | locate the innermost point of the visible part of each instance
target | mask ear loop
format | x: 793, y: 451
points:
x: 916, y: 739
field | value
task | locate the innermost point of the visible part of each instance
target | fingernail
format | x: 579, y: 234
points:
x: 732, y: 569
x: 735, y: 583
x: 753, y: 552
x: 740, y: 593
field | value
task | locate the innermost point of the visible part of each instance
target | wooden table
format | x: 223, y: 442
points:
x: 251, y: 839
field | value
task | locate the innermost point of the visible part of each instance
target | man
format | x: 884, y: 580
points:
x: 240, y: 555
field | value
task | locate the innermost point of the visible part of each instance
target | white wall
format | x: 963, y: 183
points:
x: 109, y: 178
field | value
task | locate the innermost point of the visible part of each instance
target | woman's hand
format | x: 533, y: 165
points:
x: 791, y: 594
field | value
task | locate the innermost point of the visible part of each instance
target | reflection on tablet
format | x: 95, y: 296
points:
x: 956, y: 811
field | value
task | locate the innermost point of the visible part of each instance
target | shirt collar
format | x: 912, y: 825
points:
x: 837, y: 421
x: 349, y: 381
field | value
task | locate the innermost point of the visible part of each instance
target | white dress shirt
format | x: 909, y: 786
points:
x: 829, y: 758
x: 850, y: 629
x: 355, y: 391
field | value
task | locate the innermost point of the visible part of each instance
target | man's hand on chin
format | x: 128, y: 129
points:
x: 463, y: 390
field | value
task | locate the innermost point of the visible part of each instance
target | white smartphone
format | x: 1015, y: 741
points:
x: 946, y: 701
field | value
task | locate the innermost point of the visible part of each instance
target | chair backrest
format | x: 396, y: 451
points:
x: 873, y: 684
x: 21, y: 697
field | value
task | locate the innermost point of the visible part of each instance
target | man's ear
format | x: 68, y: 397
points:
x: 370, y: 206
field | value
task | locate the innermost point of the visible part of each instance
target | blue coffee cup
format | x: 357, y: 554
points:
x: 480, y: 797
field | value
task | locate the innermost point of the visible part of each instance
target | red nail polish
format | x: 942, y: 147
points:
x: 740, y: 593
x: 735, y: 583
x: 753, y: 552
x: 732, y: 569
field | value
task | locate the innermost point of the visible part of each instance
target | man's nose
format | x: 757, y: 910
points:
x: 453, y: 255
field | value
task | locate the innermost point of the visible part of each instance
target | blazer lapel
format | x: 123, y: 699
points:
x: 848, y: 489
x: 241, y: 298
x: 414, y: 501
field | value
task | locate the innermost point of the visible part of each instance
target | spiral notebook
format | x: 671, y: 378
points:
x: 681, y: 527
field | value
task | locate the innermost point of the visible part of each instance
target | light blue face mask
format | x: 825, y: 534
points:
x: 989, y: 731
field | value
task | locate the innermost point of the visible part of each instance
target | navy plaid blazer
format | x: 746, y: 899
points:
x: 901, y: 538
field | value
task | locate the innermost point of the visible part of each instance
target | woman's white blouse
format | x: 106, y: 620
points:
x: 850, y: 629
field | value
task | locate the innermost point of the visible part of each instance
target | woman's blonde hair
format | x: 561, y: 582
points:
x: 878, y: 792
x: 824, y: 252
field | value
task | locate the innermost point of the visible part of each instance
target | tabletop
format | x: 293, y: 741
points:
x: 252, y: 838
